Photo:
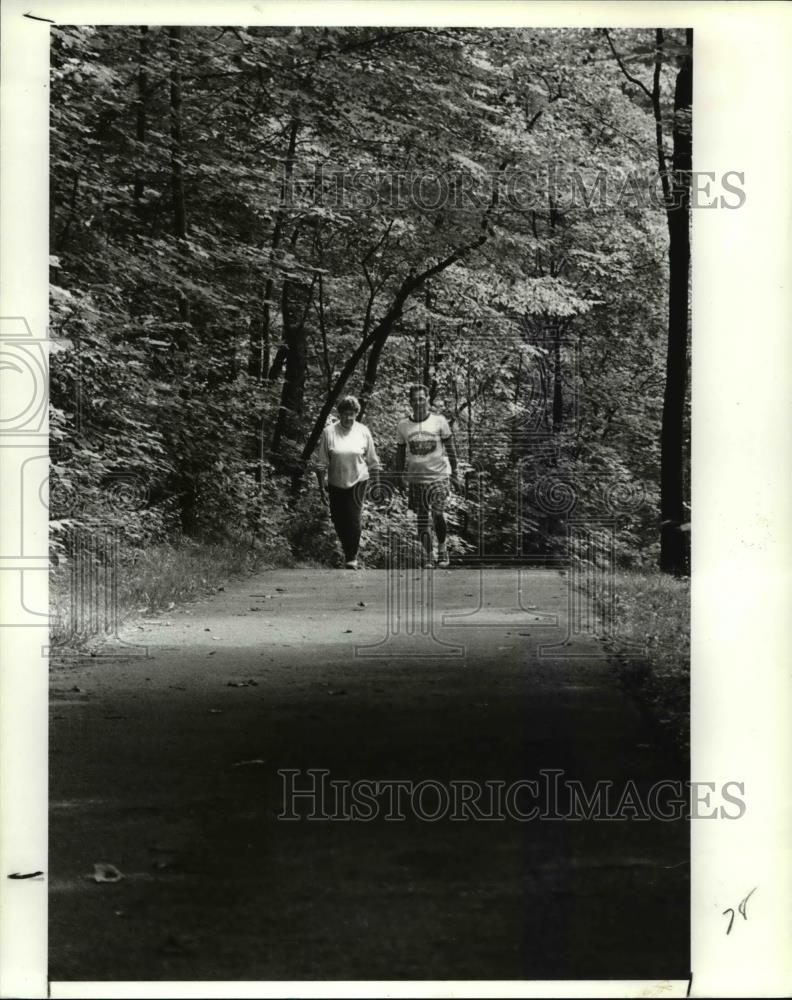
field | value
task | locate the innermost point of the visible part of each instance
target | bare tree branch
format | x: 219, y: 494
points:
x: 623, y: 68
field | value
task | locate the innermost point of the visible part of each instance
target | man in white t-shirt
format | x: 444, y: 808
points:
x: 427, y: 460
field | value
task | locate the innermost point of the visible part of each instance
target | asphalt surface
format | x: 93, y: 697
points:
x: 165, y: 757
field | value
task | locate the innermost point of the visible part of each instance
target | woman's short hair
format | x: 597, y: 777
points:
x: 348, y: 403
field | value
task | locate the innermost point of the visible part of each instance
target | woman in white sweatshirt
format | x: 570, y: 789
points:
x: 345, y: 458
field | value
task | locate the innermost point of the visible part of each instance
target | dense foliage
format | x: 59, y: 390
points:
x: 650, y: 644
x: 246, y: 223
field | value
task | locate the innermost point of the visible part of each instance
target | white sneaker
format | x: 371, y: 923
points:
x: 351, y: 564
x: 442, y: 557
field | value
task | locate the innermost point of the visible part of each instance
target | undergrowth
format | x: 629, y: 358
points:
x: 91, y: 597
x: 649, y: 641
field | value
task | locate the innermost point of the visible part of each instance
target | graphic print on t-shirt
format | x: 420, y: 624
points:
x: 426, y: 458
x: 421, y: 444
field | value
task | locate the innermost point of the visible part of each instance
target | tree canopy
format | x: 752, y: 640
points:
x: 247, y: 223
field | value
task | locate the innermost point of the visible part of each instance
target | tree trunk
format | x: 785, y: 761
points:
x: 558, y: 389
x: 426, y: 374
x: 296, y: 342
x: 177, y: 173
x: 140, y: 117
x: 260, y: 345
x: 370, y: 375
x: 674, y: 538
x: 187, y: 491
x: 674, y: 541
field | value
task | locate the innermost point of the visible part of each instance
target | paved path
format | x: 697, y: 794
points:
x: 167, y: 768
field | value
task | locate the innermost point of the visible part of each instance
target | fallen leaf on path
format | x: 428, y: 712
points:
x: 213, y: 652
x: 207, y: 629
x: 281, y: 590
x: 177, y: 687
x: 361, y: 604
x: 242, y: 684
x: 104, y: 872
x: 346, y: 630
x: 215, y: 711
x: 257, y: 761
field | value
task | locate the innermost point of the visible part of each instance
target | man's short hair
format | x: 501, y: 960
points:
x: 416, y: 387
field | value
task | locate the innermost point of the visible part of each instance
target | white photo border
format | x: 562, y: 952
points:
x: 742, y: 492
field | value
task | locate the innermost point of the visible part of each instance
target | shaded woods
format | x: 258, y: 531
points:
x: 248, y: 223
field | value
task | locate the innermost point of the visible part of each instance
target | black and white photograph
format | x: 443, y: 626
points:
x: 363, y: 421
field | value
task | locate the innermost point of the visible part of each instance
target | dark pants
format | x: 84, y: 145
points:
x: 346, y: 507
